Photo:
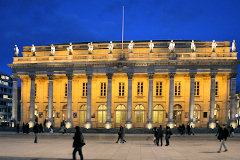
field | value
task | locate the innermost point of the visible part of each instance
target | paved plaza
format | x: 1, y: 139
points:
x: 103, y: 147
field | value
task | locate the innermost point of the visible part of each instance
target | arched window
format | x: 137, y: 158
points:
x: 139, y: 114
x: 102, y: 113
x: 177, y: 113
x: 158, y: 114
x: 216, y: 112
x: 121, y: 114
x: 197, y: 113
x: 83, y: 113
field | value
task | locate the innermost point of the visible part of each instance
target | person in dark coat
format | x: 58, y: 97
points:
x: 168, y: 133
x: 36, y: 130
x: 188, y: 129
x: 159, y: 135
x: 154, y: 135
x: 119, y: 134
x: 40, y: 128
x: 183, y: 129
x: 18, y: 128
x: 27, y: 128
x: 23, y: 128
x: 222, y: 137
x: 78, y: 143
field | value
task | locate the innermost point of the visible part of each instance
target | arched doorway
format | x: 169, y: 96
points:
x: 158, y: 114
x: 197, y: 113
x: 101, y: 115
x: 121, y: 115
x: 139, y: 115
x: 64, y: 112
x: 82, y: 114
x: 216, y: 113
x: 177, y: 113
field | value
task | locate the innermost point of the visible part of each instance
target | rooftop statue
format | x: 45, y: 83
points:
x: 193, y: 46
x: 70, y: 49
x: 233, y: 46
x: 33, y: 50
x: 16, y: 50
x: 214, y: 45
x: 90, y: 47
x: 171, y: 46
x: 130, y: 46
x: 110, y: 47
x: 52, y: 50
x: 151, y: 46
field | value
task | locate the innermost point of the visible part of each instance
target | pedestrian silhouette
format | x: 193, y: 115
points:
x: 36, y: 130
x: 78, y: 143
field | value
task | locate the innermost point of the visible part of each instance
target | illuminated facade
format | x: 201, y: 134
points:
x: 145, y: 84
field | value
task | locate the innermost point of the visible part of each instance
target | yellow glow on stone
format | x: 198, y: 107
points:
x: 48, y: 124
x: 68, y: 125
x: 31, y: 124
x: 87, y: 125
x: 233, y: 124
x: 212, y: 125
x: 128, y: 126
x: 108, y: 125
x: 149, y: 126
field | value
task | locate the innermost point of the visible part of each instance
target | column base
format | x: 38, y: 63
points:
x: 88, y: 125
x: 128, y: 125
x: 31, y: 124
x: 233, y: 123
x: 211, y: 124
x: 108, y: 125
x: 48, y: 124
x: 149, y: 125
x: 171, y: 124
x: 68, y: 124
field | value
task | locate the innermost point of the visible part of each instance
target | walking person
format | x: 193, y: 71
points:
x: 159, y: 135
x: 18, y: 128
x: 168, y: 133
x: 122, y: 135
x: 78, y: 143
x: 35, y: 130
x: 154, y: 135
x: 119, y: 134
x: 222, y: 137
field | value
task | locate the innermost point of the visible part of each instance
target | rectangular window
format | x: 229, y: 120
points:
x: 216, y: 89
x: 177, y: 88
x: 140, y: 89
x: 158, y: 88
x: 121, y: 89
x: 66, y: 89
x: 103, y: 89
x: 196, y: 89
x: 35, y: 90
x: 84, y: 89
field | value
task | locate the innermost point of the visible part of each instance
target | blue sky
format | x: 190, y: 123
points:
x: 43, y: 22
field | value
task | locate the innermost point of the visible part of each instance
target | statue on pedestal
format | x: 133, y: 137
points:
x: 90, y: 48
x: 110, y: 47
x: 171, y: 46
x: 193, y: 47
x: 151, y: 46
x: 130, y: 46
x: 16, y: 50
x: 214, y: 45
x: 233, y: 46
x: 70, y: 49
x: 33, y: 50
x: 52, y: 50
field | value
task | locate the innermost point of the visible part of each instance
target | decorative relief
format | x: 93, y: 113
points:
x: 192, y: 74
x: 150, y: 75
x: 109, y: 75
x: 50, y: 76
x: 171, y: 74
x: 213, y: 74
x: 130, y: 75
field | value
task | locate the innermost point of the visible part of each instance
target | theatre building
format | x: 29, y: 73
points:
x: 139, y: 84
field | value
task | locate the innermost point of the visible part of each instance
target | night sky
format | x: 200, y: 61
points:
x: 43, y: 22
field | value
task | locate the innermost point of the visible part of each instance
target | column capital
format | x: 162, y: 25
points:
x: 192, y: 74
x: 109, y: 75
x: 32, y: 76
x: 171, y: 74
x: 70, y: 76
x: 89, y: 76
x: 213, y: 74
x: 233, y: 74
x: 130, y: 75
x: 14, y: 77
x: 150, y: 75
x: 50, y: 76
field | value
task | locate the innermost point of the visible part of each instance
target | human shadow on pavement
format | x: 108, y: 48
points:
x: 33, y: 158
x: 208, y: 152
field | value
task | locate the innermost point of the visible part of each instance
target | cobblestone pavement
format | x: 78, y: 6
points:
x: 103, y: 147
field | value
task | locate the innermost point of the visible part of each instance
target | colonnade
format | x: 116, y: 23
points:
x: 108, y: 123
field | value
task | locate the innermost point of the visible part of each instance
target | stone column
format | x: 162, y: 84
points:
x: 211, y: 123
x: 14, y: 97
x: 150, y: 101
x: 129, y: 102
x: 88, y: 123
x: 233, y: 97
x: 69, y: 101
x: 32, y: 100
x: 108, y: 123
x: 50, y: 100
x: 191, y: 100
x: 171, y: 101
